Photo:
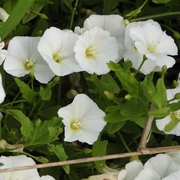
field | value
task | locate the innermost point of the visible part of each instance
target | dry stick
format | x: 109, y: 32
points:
x: 92, y: 159
x: 142, y: 150
x: 146, y: 131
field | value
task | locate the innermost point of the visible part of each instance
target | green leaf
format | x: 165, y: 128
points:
x: 99, y: 149
x: 126, y: 77
x: 135, y: 12
x: 132, y: 108
x: 61, y: 154
x: 161, y: 1
x: 27, y: 126
x: 15, y: 17
x: 68, y: 3
x: 111, y: 128
x: 45, y: 132
x: 155, y: 94
x: 175, y: 106
x: 45, y: 93
x: 160, y: 96
x: 27, y: 93
x: 109, y: 5
x: 147, y: 87
x: 171, y: 125
x: 41, y: 159
x: 115, y: 116
x: 106, y: 83
x: 159, y: 113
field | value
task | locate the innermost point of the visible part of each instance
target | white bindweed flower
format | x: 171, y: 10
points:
x: 56, y: 47
x: 3, y: 52
x: 112, y: 23
x: 150, y: 174
x: 83, y: 120
x: 3, y: 15
x: 19, y: 161
x: 23, y: 58
x: 131, y: 170
x: 175, y: 156
x: 173, y: 117
x: 2, y: 92
x: 162, y: 164
x: 79, y: 30
x: 173, y: 176
x: 94, y: 49
x: 148, y: 47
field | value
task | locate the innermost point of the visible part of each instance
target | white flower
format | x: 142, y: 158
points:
x: 112, y: 23
x: 173, y: 117
x: 175, y: 156
x: 131, y: 170
x: 162, y: 164
x: 79, y: 30
x: 94, y: 49
x: 173, y: 176
x: 19, y: 161
x: 23, y: 58
x: 150, y: 174
x: 3, y: 15
x: 2, y: 92
x: 83, y: 120
x: 3, y: 52
x: 56, y: 47
x: 147, y: 40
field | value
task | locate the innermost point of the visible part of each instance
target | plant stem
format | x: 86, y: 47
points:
x: 145, y: 151
x: 124, y: 143
x: 146, y: 131
x: 156, y: 16
x: 73, y: 13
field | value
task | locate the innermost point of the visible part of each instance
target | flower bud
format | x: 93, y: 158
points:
x: 87, y: 150
x: 177, y: 96
x: 175, y: 83
x: 126, y: 22
x: 164, y: 69
x: 109, y: 95
x: 128, y: 97
x: 71, y: 94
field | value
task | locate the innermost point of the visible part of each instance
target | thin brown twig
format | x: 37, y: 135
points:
x: 144, y: 151
x: 146, y: 131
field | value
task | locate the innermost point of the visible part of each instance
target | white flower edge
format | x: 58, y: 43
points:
x: 83, y: 120
x: 20, y: 161
x: 2, y: 92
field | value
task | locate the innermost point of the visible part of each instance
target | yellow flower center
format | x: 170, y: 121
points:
x: 29, y: 64
x: 75, y: 125
x: 58, y: 57
x: 177, y: 114
x: 90, y: 52
x: 152, y: 47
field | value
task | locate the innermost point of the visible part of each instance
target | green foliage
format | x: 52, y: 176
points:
x: 99, y: 149
x: 19, y: 11
x: 30, y: 123
x: 27, y: 93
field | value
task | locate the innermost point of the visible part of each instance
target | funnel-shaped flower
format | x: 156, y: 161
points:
x: 112, y: 23
x: 23, y: 58
x: 56, y: 47
x: 19, y: 161
x: 94, y: 49
x: 148, y: 47
x: 83, y: 120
